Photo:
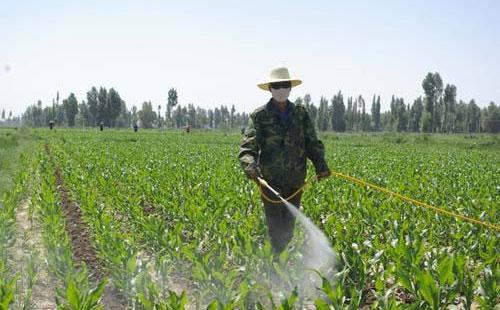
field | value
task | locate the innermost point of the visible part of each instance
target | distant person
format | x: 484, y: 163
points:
x: 101, y: 126
x: 277, y: 142
x: 136, y: 127
x: 51, y: 125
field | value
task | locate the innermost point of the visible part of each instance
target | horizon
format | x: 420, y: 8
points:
x: 220, y: 54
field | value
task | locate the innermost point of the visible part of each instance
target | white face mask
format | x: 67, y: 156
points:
x: 281, y: 94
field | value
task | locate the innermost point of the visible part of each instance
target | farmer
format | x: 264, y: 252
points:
x: 279, y: 139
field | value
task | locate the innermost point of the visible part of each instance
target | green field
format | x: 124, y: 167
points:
x: 154, y: 214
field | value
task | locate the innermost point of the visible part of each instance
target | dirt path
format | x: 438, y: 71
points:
x: 78, y: 231
x: 28, y: 253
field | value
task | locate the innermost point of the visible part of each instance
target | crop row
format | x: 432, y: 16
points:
x: 172, y: 221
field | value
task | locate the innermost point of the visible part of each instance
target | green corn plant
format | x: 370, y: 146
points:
x: 78, y: 296
x: 287, y: 303
x: 9, y: 200
x: 7, y: 288
x: 446, y: 279
x: 176, y: 302
x: 465, y: 283
x: 7, y: 281
x: 427, y: 289
x: 334, y: 292
x: 490, y: 287
x: 150, y: 297
x: 31, y: 271
x: 387, y: 302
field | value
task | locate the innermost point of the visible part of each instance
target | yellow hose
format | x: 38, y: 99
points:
x: 389, y: 192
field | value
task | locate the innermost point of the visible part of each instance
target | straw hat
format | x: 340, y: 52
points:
x: 279, y: 74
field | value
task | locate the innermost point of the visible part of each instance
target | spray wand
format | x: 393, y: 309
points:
x: 275, y: 192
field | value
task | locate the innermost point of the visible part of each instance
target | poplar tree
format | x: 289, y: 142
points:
x: 338, y: 113
x: 433, y: 88
x: 70, y: 106
x: 449, y: 100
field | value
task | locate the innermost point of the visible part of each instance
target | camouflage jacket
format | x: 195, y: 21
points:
x: 281, y: 148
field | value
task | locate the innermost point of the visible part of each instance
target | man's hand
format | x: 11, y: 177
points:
x: 323, y: 175
x: 253, y: 173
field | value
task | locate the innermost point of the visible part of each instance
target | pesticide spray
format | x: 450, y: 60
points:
x: 319, y: 255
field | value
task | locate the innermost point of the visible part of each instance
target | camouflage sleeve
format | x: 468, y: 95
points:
x: 315, y: 150
x: 249, y: 149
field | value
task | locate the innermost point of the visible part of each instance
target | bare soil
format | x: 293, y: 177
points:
x: 78, y: 231
x: 28, y: 241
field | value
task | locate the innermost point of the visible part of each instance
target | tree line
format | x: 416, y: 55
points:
x: 8, y: 119
x: 437, y: 111
x: 106, y: 107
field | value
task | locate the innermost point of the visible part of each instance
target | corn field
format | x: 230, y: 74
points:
x: 167, y: 220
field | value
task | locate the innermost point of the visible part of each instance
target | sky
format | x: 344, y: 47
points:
x: 215, y: 52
